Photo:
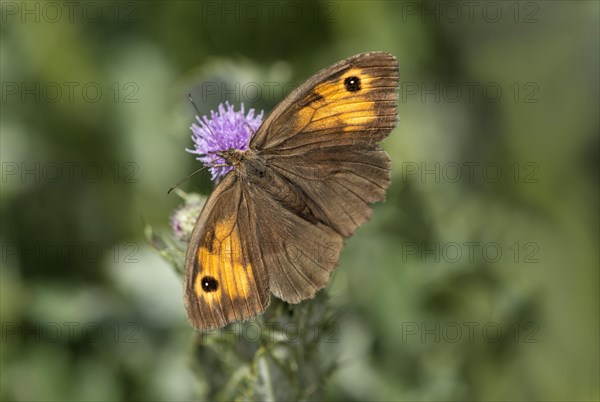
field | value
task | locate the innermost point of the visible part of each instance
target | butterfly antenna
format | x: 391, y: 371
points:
x: 205, y: 125
x: 184, y: 180
x: 193, y: 104
x: 252, y: 132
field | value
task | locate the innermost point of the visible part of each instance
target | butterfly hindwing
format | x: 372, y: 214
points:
x: 299, y: 252
x: 339, y: 183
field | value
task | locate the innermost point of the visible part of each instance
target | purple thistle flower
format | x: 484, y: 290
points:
x: 225, y: 130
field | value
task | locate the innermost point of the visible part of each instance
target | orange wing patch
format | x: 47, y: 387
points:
x: 224, y: 270
x: 342, y: 103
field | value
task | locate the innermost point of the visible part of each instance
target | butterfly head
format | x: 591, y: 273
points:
x: 231, y: 156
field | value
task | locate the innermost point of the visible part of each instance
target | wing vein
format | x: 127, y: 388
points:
x: 255, y: 281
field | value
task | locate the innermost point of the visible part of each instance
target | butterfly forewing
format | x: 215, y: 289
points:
x: 354, y: 101
x: 225, y: 278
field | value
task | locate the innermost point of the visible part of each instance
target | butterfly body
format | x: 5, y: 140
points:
x: 276, y: 223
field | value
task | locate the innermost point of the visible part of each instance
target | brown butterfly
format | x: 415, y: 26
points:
x: 276, y: 223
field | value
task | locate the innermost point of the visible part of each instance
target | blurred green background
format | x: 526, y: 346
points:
x: 477, y: 278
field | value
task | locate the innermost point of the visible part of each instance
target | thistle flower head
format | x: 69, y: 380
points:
x: 184, y: 217
x: 224, y: 130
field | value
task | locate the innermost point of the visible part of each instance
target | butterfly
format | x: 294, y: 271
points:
x: 276, y: 223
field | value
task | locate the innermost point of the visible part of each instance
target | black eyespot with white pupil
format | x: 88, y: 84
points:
x: 352, y: 84
x: 209, y: 284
